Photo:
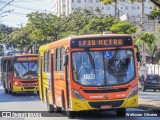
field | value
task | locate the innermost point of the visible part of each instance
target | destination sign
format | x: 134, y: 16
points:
x: 26, y: 59
x: 101, y: 42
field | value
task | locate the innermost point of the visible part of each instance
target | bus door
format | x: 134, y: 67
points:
x: 52, y: 77
x: 41, y: 76
x: 8, y: 77
x: 4, y: 64
x: 67, y: 79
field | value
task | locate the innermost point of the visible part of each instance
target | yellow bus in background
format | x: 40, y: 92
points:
x: 19, y: 73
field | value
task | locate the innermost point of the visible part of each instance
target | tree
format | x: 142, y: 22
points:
x: 100, y: 24
x: 123, y: 27
x: 151, y: 45
x: 20, y: 39
x: 48, y: 25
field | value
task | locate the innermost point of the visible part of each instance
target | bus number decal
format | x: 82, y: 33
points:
x: 89, y: 76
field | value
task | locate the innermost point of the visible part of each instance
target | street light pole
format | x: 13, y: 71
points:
x: 142, y: 29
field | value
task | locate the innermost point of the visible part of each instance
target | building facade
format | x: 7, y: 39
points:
x: 65, y: 7
x: 133, y: 10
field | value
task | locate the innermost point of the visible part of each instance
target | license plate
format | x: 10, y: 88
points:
x: 154, y: 81
x: 106, y: 106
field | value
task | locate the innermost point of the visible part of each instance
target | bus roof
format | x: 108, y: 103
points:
x: 67, y: 39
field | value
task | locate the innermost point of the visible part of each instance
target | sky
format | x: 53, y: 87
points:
x: 19, y: 9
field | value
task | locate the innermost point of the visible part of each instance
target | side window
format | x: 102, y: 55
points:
x: 44, y: 56
x: 9, y: 66
x: 46, y: 61
x: 59, y: 59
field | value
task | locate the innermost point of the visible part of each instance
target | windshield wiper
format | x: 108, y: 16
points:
x: 24, y: 66
x: 113, y: 59
x: 91, y: 59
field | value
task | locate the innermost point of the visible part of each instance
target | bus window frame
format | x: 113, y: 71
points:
x: 133, y: 51
x: 46, y: 61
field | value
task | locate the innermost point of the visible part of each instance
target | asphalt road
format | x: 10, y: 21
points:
x: 150, y: 95
x: 31, y: 102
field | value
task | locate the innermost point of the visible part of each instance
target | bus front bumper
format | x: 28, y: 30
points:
x: 24, y: 88
x: 84, y: 105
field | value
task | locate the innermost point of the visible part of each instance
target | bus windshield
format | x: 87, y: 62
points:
x: 103, y: 68
x: 26, y: 70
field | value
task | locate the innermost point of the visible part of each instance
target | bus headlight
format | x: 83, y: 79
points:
x: 78, y: 95
x: 133, y: 91
x: 17, y: 83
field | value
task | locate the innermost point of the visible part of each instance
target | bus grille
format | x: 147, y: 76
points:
x: 105, y: 91
x: 112, y: 103
x: 29, y: 88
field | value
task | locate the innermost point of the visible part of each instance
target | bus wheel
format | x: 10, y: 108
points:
x: 37, y: 92
x: 121, y: 112
x: 6, y: 91
x: 70, y: 114
x: 50, y: 107
x: 14, y: 93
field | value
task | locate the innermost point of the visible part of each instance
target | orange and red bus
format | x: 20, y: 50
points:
x: 20, y: 73
x: 89, y: 72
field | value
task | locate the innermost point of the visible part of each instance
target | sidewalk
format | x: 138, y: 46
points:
x: 149, y: 105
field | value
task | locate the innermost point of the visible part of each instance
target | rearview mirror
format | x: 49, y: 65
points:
x: 65, y: 60
x: 138, y: 56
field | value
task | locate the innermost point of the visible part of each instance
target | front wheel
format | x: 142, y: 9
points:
x: 14, y: 93
x: 37, y: 92
x: 6, y: 91
x: 121, y: 112
x: 70, y: 114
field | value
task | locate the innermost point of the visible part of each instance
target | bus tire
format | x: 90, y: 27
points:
x: 70, y: 114
x: 121, y: 112
x: 14, y: 93
x: 6, y: 91
x: 37, y: 92
x: 11, y: 91
x: 50, y: 108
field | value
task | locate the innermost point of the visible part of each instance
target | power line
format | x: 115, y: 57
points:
x: 6, y: 12
x: 25, y: 8
x: 6, y: 4
x: 28, y: 1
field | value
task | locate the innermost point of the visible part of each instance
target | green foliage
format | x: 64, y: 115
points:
x: 154, y: 14
x: 44, y: 28
x: 150, y: 42
x: 147, y: 38
x: 106, y: 2
x: 100, y: 24
x: 123, y: 27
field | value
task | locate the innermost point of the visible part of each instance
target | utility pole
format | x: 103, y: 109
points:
x: 115, y: 8
x: 142, y: 28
